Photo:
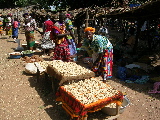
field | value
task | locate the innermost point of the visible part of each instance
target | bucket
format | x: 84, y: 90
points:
x: 112, y: 110
x: 125, y: 103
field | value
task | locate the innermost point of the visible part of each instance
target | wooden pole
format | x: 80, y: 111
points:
x: 105, y: 18
x: 87, y: 17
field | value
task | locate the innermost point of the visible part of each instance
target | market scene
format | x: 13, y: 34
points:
x: 96, y: 62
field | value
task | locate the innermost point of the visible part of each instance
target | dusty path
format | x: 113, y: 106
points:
x: 23, y: 99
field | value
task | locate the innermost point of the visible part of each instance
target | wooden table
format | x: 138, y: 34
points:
x: 56, y: 78
x: 78, y: 110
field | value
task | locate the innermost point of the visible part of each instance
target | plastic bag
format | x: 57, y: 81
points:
x: 31, y: 68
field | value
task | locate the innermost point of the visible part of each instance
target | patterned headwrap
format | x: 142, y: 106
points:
x: 68, y: 15
x: 89, y: 29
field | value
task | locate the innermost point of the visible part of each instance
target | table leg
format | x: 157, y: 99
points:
x: 38, y: 74
x: 117, y: 109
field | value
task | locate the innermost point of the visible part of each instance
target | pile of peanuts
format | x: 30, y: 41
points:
x: 90, y: 90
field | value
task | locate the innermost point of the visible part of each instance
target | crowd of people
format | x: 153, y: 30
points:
x: 58, y: 37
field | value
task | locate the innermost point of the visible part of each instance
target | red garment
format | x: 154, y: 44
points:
x: 62, y: 52
x: 48, y: 25
x: 15, y: 24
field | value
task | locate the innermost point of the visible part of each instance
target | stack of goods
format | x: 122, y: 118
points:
x: 90, y: 90
x: 32, y: 59
x: 88, y: 95
x: 66, y: 71
x: 27, y: 53
x: 44, y: 64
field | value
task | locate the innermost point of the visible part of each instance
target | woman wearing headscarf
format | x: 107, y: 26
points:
x: 71, y: 38
x: 9, y: 25
x: 101, y: 50
x: 59, y: 36
x: 30, y: 26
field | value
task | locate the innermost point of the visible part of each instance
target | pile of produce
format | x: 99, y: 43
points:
x: 32, y: 59
x: 90, y: 90
x: 44, y: 64
x: 15, y: 53
x: 27, y: 52
x: 66, y: 71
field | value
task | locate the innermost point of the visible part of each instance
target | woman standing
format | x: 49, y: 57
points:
x: 71, y: 38
x: 9, y: 25
x: 102, y: 53
x: 47, y: 44
x: 30, y: 26
x: 15, y: 29
x: 59, y: 35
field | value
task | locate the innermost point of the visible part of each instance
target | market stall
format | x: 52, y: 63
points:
x: 87, y: 95
x: 78, y: 90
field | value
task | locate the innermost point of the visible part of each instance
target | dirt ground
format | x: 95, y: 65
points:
x: 21, y: 98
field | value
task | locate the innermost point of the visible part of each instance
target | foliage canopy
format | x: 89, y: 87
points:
x: 63, y: 4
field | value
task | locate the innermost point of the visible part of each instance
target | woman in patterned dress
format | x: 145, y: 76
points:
x: 47, y: 44
x: 71, y: 38
x: 9, y: 25
x: 102, y: 53
x: 30, y: 26
x: 59, y: 36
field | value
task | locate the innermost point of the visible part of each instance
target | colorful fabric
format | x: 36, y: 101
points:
x: 81, y: 109
x: 30, y: 25
x: 48, y: 25
x: 100, y: 44
x: 59, y: 28
x: 68, y: 15
x: 89, y: 29
x: 1, y: 30
x: 1, y: 23
x: 15, y: 29
x: 30, y: 38
x: 46, y: 42
x: 15, y: 24
x: 61, y: 50
x: 72, y: 45
x: 104, y: 66
x: 15, y: 32
x: 97, y: 45
x: 9, y: 30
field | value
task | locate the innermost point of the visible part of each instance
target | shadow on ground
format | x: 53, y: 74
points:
x: 4, y: 38
x: 51, y: 106
x: 54, y: 108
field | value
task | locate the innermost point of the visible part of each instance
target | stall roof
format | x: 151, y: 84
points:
x: 149, y: 10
